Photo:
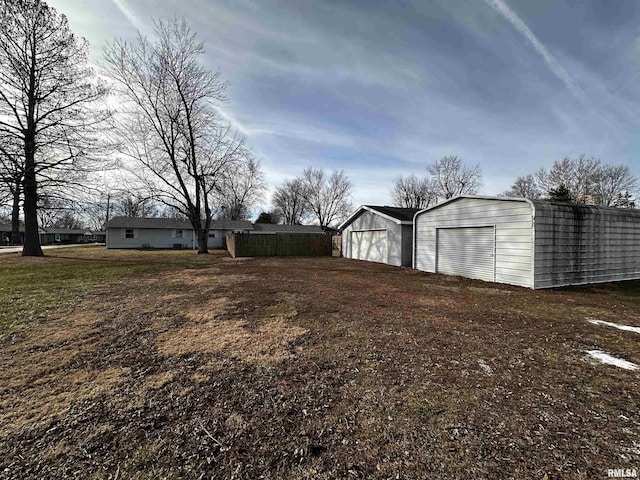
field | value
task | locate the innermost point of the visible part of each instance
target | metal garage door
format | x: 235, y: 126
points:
x: 369, y: 245
x: 468, y: 252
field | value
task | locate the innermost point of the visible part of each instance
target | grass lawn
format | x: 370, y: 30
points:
x: 123, y: 364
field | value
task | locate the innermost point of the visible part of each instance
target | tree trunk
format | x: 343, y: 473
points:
x: 203, y: 240
x: 16, y: 238
x: 31, y: 246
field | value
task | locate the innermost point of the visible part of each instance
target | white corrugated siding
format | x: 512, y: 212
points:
x: 467, y: 251
x: 513, y: 234
x: 585, y: 244
x: 371, y: 221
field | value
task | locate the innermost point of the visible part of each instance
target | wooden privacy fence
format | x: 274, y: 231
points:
x: 279, y: 245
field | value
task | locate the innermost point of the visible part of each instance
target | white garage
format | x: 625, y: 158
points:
x: 531, y: 243
x: 379, y: 234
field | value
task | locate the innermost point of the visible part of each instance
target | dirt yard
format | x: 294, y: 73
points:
x: 171, y: 365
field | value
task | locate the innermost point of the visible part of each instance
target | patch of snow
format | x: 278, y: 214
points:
x: 605, y: 358
x: 626, y: 328
x: 487, y: 369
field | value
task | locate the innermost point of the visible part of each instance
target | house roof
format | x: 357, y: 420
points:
x: 6, y: 227
x: 146, y: 222
x: 132, y: 222
x: 397, y: 215
x: 273, y: 228
x: 64, y: 231
x: 403, y: 214
x: 231, y: 225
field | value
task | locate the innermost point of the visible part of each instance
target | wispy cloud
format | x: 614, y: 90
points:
x: 128, y: 13
x: 521, y: 27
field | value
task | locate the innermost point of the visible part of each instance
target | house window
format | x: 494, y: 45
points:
x: 57, y: 237
x: 129, y: 233
x: 212, y: 234
x: 178, y: 233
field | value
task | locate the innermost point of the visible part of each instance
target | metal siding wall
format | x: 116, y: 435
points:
x: 577, y: 245
x: 156, y: 237
x: 513, y: 222
x: 371, y: 221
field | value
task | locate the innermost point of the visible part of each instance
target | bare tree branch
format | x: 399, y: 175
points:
x: 168, y: 127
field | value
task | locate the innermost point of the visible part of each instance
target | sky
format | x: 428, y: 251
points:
x: 381, y: 89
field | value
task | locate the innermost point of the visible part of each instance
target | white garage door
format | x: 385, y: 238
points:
x: 468, y: 252
x: 369, y: 245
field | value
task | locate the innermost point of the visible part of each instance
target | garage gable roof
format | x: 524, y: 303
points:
x: 401, y: 216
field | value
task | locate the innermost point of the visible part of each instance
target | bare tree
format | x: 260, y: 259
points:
x: 69, y: 220
x: 587, y: 180
x: 613, y: 183
x: 451, y: 177
x: 51, y: 210
x: 11, y: 177
x: 240, y: 189
x: 169, y: 126
x: 327, y: 196
x: 289, y: 202
x: 576, y: 175
x: 132, y: 205
x: 47, y: 101
x: 524, y: 187
x: 413, y: 192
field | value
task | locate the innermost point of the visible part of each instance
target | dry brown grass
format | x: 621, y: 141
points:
x: 267, y: 342
x: 314, y: 368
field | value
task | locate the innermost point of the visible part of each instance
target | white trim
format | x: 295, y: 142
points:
x: 533, y: 245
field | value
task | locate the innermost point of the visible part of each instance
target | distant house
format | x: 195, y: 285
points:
x: 55, y: 236
x: 130, y: 232
x: 379, y: 234
x: 52, y: 236
x: 95, y: 236
x: 5, y: 233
